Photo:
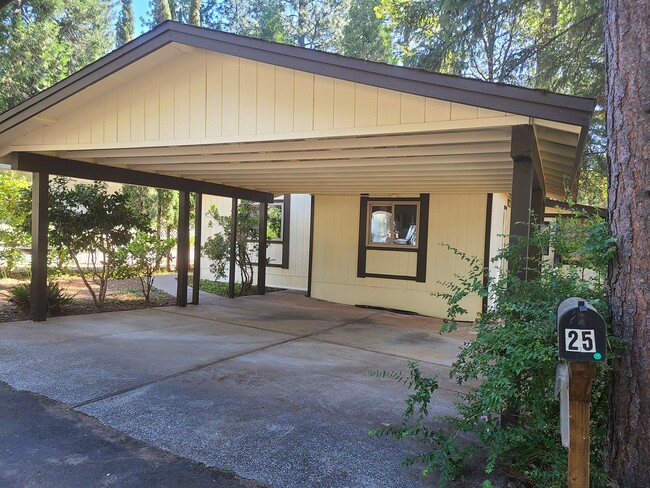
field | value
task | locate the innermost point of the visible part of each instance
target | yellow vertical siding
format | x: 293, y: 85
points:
x: 458, y: 220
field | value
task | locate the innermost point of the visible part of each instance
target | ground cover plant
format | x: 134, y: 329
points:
x: 508, y: 370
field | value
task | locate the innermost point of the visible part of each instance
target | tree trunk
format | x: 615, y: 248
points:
x: 627, y: 42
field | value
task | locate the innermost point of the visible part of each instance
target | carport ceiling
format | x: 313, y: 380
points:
x: 204, y: 105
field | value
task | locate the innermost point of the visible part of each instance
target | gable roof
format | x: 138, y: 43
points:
x: 563, y: 112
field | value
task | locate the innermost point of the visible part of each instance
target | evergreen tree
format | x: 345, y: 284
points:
x: 195, y: 12
x: 43, y: 41
x: 125, y: 26
x: 160, y: 12
x: 364, y: 36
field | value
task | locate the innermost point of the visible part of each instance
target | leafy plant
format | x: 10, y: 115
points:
x: 141, y: 258
x: 13, y: 211
x: 217, y: 246
x: 86, y: 218
x: 57, y: 297
x: 509, y: 368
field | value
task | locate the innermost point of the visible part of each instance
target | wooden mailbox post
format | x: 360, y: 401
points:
x: 582, y: 342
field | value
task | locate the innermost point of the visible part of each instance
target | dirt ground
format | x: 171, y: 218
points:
x: 121, y: 295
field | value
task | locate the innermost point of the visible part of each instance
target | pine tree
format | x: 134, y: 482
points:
x: 124, y: 27
x: 160, y: 12
x: 195, y: 12
x: 364, y: 36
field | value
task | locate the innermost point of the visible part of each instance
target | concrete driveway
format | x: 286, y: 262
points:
x: 270, y: 387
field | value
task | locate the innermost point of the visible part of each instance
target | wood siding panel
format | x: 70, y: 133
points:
x: 413, y: 109
x: 166, y: 105
x: 303, y: 111
x: 230, y: 97
x: 182, y: 98
x: 323, y: 103
x: 247, y: 97
x: 265, y: 99
x: 152, y: 106
x: 198, y: 81
x: 389, y: 107
x: 214, y: 93
x: 124, y: 113
x: 455, y: 219
x: 366, y: 106
x: 344, y: 107
x: 463, y: 112
x: 437, y: 110
x: 137, y: 109
x: 284, y: 99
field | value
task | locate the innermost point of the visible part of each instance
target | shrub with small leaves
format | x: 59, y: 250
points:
x: 509, y: 368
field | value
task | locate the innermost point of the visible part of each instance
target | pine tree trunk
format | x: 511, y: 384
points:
x: 627, y: 42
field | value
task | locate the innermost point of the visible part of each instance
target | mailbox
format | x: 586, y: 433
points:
x: 581, y: 332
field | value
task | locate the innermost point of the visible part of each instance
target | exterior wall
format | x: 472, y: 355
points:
x: 295, y: 277
x: 458, y: 220
x: 207, y: 97
x: 500, y: 230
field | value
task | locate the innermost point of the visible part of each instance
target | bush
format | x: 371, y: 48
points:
x: 57, y: 298
x: 509, y: 368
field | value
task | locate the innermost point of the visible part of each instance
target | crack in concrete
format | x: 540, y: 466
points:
x: 210, y: 363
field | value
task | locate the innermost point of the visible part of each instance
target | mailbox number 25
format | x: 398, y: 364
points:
x: 579, y: 340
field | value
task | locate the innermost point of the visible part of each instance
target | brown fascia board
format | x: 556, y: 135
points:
x: 506, y: 98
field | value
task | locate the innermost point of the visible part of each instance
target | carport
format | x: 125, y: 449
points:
x: 218, y: 114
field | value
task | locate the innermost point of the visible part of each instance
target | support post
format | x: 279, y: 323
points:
x: 196, y: 270
x: 233, y: 249
x: 38, y: 305
x: 581, y: 375
x: 183, y: 249
x: 526, y: 176
x: 537, y: 219
x: 261, y: 253
x: 311, y: 244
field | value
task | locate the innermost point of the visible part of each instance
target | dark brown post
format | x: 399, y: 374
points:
x: 196, y: 275
x: 183, y: 249
x: 233, y: 249
x: 581, y: 375
x: 261, y: 254
x: 537, y: 206
x: 38, y: 306
x: 523, y: 174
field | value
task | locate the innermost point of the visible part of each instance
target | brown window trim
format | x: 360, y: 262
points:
x: 423, y: 239
x: 286, y: 228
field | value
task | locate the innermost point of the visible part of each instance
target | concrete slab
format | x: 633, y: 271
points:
x: 272, y: 387
x: 75, y: 371
x: 295, y: 415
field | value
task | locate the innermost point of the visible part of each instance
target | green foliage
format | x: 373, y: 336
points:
x: 14, y: 209
x: 274, y: 222
x: 217, y: 246
x: 57, y: 298
x: 160, y: 12
x: 43, y: 41
x: 364, y: 35
x: 510, y: 365
x: 195, y: 12
x: 85, y: 218
x: 125, y: 24
x: 141, y: 258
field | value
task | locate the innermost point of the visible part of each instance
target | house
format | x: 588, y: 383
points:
x: 374, y: 165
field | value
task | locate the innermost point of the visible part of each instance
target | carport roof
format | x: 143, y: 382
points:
x: 298, y: 158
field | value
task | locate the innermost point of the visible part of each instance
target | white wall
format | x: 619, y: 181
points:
x: 499, y: 233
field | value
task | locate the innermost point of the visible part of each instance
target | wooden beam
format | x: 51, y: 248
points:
x: 183, y: 249
x: 233, y: 249
x: 196, y: 272
x: 377, y: 152
x: 261, y: 254
x: 75, y: 169
x: 486, y: 247
x: 338, y: 142
x: 524, y: 148
x: 38, y: 305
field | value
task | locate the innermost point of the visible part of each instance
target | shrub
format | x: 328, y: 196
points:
x: 142, y: 257
x: 509, y: 368
x: 57, y: 297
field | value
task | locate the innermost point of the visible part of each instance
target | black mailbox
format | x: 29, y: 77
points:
x: 581, y: 332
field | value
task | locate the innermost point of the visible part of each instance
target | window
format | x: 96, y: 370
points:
x: 277, y: 231
x: 393, y: 224
x: 390, y: 226
x: 274, y: 221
